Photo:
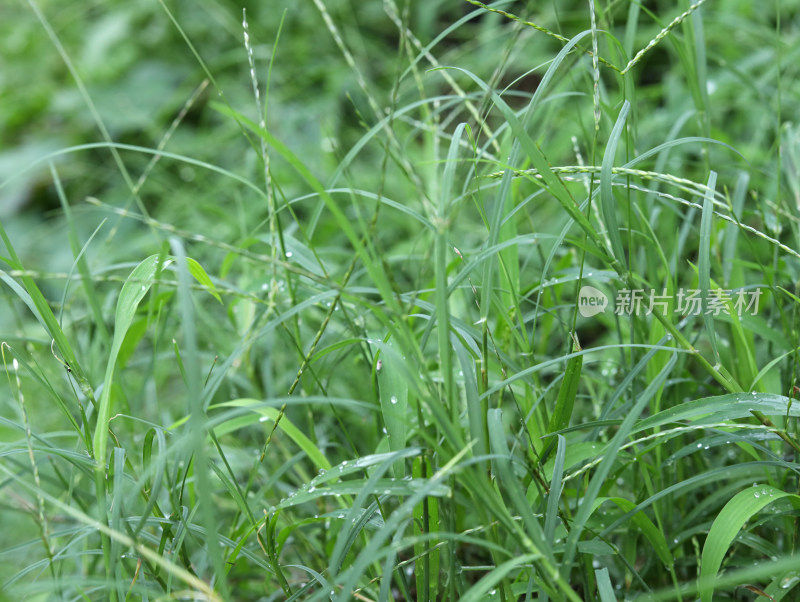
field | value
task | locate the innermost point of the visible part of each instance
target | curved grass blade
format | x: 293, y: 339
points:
x: 199, y: 274
x: 711, y: 410
x: 286, y: 425
x: 648, y: 529
x: 479, y: 591
x: 133, y: 291
x: 740, y: 509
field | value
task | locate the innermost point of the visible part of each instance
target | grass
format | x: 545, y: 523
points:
x: 293, y: 301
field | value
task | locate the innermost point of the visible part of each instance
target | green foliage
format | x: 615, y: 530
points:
x: 294, y: 300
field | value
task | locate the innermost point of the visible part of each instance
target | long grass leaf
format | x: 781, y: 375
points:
x: 607, y: 201
x: 740, y: 509
x: 704, y: 263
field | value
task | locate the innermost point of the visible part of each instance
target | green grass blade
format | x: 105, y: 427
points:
x: 704, y: 263
x: 740, y: 509
x: 133, y: 291
x: 556, y: 489
x: 393, y: 389
x: 475, y: 415
x: 731, y: 230
x: 648, y: 529
x: 117, y: 507
x: 479, y: 591
x: 199, y: 274
x: 710, y: 410
x: 566, y: 394
x: 286, y: 425
x: 607, y: 202
x: 442, y: 254
x: 426, y: 521
x: 604, y: 587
